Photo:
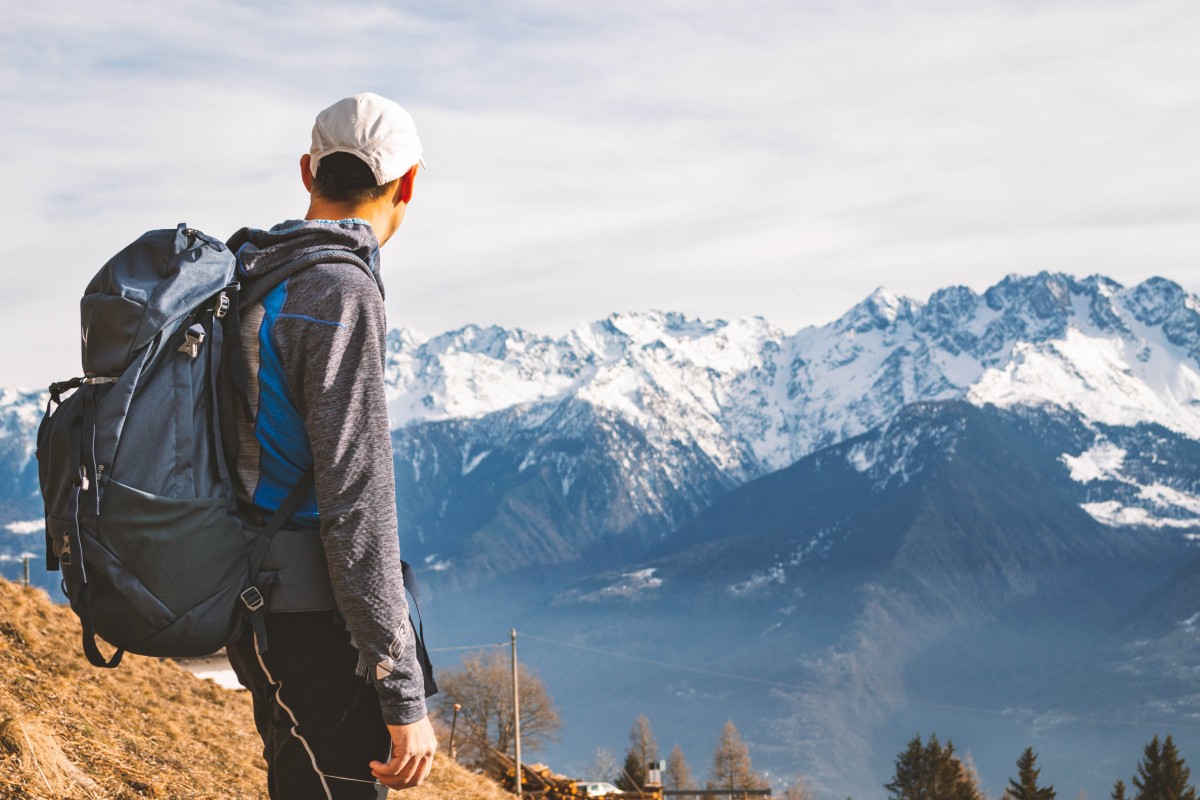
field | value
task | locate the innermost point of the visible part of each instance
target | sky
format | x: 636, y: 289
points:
x: 779, y: 159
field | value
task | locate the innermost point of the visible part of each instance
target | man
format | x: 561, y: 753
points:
x: 339, y: 685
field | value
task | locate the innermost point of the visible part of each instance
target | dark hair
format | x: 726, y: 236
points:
x: 346, y: 178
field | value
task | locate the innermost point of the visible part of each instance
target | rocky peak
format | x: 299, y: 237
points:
x: 1158, y: 301
x: 1043, y: 296
x: 881, y: 310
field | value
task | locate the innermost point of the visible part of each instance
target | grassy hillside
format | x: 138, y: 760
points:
x: 146, y: 729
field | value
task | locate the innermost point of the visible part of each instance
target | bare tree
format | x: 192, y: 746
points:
x: 604, y: 765
x: 731, y: 763
x: 642, y: 750
x: 799, y: 789
x: 483, y: 685
x: 679, y: 774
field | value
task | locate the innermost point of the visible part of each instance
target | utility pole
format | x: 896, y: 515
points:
x: 26, y: 570
x: 453, y: 726
x: 516, y: 710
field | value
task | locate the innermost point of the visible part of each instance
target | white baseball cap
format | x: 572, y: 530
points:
x: 377, y: 130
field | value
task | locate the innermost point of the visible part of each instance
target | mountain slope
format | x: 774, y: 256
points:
x: 944, y: 561
x: 146, y: 729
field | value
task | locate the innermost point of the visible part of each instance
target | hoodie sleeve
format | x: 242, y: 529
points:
x: 331, y: 337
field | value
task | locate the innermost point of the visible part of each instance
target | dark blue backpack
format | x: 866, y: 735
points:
x: 141, y: 515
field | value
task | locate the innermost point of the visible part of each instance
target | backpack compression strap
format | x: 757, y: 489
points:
x: 72, y: 559
x: 254, y: 597
x: 88, y: 484
x: 56, y: 391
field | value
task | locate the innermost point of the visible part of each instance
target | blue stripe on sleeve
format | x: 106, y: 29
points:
x: 307, y: 318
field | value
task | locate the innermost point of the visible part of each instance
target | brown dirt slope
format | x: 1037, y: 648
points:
x: 146, y: 729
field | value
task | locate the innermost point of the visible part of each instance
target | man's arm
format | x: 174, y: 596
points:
x: 331, y: 336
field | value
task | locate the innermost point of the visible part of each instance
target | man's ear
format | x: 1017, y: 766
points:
x: 305, y: 172
x: 405, y: 189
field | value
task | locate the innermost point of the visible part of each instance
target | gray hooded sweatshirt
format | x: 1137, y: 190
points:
x: 315, y: 350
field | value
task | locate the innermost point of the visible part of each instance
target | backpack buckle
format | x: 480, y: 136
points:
x: 222, y: 305
x: 192, y: 340
x: 252, y: 598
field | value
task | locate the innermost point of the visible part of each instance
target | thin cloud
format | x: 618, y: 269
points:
x: 770, y: 158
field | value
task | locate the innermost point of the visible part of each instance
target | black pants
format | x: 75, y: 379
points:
x: 320, y: 723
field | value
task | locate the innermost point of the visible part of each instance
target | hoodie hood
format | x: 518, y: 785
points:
x: 260, y: 252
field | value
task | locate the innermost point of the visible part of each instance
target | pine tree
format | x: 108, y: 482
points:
x: 1162, y: 774
x: 1118, y: 792
x: 679, y: 774
x: 633, y: 774
x: 931, y: 772
x: 1025, y: 787
x: 1148, y: 780
x: 1175, y: 774
x: 642, y: 750
x: 731, y: 763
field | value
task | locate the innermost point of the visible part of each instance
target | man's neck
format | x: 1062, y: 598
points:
x: 322, y: 209
x: 371, y: 213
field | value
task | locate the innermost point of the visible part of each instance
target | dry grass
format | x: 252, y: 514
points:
x: 148, y: 729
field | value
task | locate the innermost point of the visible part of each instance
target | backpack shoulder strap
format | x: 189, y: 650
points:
x: 255, y: 289
x: 234, y: 378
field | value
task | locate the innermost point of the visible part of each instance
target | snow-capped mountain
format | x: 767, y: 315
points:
x: 754, y: 399
x: 607, y: 438
x: 21, y: 523
x: 20, y: 414
x: 660, y: 414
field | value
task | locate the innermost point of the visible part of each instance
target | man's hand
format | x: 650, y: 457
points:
x: 413, y: 747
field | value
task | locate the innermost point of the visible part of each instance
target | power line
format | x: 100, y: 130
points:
x: 669, y: 665
x: 466, y: 647
x: 819, y: 690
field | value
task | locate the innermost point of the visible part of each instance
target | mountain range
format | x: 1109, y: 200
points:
x: 976, y: 514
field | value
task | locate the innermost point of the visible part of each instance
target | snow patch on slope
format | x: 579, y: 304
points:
x: 1103, y: 461
x: 1133, y: 503
x: 630, y: 586
x: 1112, y: 513
x: 1104, y: 379
x: 434, y: 563
x: 759, y: 580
